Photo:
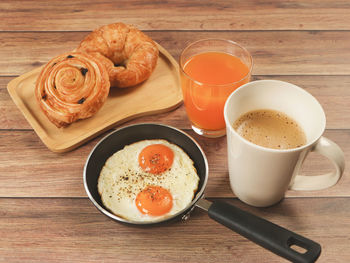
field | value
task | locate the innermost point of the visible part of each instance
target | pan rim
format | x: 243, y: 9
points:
x: 199, y: 193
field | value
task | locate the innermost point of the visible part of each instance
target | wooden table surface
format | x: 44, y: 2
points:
x: 45, y: 215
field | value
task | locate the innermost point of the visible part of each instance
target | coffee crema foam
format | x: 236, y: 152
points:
x: 271, y: 129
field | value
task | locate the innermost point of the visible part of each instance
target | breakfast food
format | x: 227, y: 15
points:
x: 129, y: 55
x: 72, y: 86
x: 147, y: 181
x: 75, y: 85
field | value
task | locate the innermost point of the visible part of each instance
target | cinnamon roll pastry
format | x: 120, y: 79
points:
x: 72, y: 86
x: 129, y: 55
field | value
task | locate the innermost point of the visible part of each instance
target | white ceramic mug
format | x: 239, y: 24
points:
x: 260, y: 176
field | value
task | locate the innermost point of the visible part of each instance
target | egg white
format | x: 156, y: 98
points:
x: 121, y: 179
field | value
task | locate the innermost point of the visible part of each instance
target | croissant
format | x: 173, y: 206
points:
x: 70, y: 87
x: 129, y: 55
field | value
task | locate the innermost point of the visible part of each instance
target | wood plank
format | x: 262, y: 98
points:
x: 45, y: 215
x: 175, y: 15
x: 29, y: 169
x: 274, y: 52
x: 334, y: 99
x: 72, y: 230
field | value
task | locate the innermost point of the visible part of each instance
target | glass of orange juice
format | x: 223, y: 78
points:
x: 210, y: 70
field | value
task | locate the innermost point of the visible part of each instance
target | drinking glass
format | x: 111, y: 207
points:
x: 210, y: 70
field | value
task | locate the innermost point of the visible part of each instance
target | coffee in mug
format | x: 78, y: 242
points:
x: 271, y: 129
x: 260, y: 176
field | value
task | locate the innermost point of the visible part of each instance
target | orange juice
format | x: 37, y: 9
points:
x: 209, y: 78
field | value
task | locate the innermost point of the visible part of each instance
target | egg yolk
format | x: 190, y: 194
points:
x: 156, y: 158
x: 154, y: 201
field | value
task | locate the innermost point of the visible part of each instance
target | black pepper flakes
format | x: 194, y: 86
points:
x: 44, y: 97
x: 81, y: 101
x: 70, y: 56
x: 84, y: 71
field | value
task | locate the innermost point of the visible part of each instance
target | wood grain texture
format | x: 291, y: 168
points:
x: 29, y: 169
x: 332, y: 92
x: 274, y: 52
x: 121, y: 105
x: 72, y: 230
x: 45, y: 215
x: 175, y: 15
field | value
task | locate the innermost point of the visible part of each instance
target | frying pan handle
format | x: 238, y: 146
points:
x: 264, y: 233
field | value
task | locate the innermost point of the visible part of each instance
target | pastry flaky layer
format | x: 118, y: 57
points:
x: 129, y: 55
x: 72, y: 86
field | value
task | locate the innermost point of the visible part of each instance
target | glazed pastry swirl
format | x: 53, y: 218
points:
x: 72, y: 86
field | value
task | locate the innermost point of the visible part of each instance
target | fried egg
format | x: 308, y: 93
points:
x: 147, y: 181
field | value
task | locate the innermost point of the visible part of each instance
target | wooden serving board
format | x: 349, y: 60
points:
x: 160, y: 93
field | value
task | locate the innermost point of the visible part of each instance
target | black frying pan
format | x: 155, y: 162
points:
x: 264, y: 233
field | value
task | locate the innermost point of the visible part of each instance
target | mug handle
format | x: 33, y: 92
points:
x: 330, y: 150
